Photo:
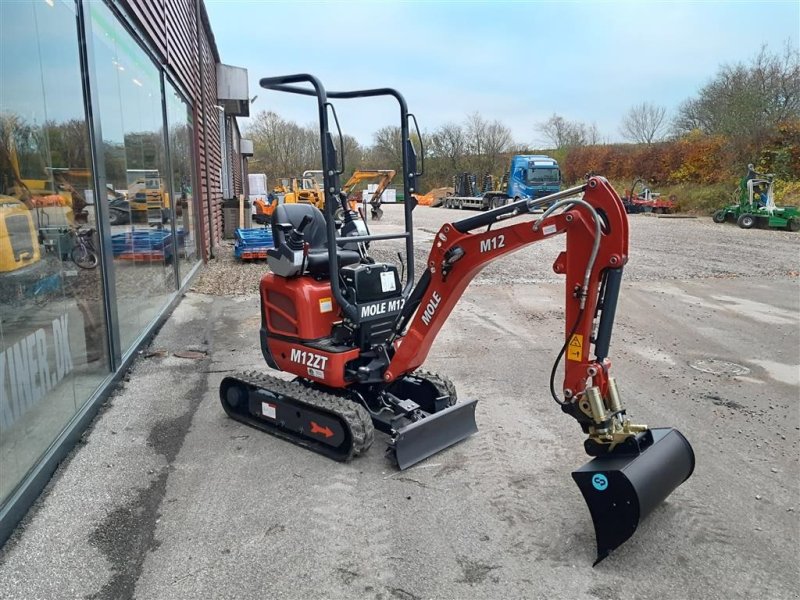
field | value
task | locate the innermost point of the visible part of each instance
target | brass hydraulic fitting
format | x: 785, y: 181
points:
x: 615, y: 404
x: 596, y: 404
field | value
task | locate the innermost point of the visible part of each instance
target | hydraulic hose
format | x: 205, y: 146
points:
x: 559, y: 357
x: 586, y: 277
x: 595, y: 244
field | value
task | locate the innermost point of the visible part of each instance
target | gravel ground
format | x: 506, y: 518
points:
x: 225, y: 275
x: 660, y: 248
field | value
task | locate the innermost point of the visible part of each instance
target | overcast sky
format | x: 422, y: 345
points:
x: 518, y: 62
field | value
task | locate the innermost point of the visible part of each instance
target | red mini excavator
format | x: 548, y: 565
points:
x: 355, y: 332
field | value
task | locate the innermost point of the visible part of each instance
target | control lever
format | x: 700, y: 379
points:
x: 345, y: 207
x: 289, y: 256
x: 296, y: 239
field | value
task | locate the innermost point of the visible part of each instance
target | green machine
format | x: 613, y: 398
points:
x: 756, y: 206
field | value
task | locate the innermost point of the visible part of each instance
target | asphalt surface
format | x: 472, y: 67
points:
x: 168, y: 498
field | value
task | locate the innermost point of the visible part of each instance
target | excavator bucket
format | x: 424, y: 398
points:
x: 621, y: 490
x: 440, y: 430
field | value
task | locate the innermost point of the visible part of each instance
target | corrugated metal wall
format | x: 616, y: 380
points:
x: 171, y: 29
x: 208, y: 134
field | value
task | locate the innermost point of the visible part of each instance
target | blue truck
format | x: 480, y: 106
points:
x: 530, y: 176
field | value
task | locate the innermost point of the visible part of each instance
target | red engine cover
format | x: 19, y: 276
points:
x: 300, y: 307
x: 303, y: 309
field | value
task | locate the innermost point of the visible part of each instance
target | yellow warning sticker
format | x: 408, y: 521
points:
x: 325, y: 305
x: 575, y: 348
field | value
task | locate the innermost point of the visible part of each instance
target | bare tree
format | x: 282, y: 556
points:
x: 353, y: 155
x: 486, y: 142
x: 644, y: 123
x: 562, y: 133
x: 68, y: 143
x: 693, y: 114
x: 497, y: 142
x: 309, y: 156
x: 745, y: 101
x: 282, y: 148
x: 387, y: 151
x: 593, y: 136
x: 476, y: 133
x: 476, y: 145
x: 449, y: 142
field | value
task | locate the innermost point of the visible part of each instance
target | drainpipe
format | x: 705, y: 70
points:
x: 226, y: 176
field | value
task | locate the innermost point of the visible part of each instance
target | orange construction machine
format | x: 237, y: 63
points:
x: 355, y: 333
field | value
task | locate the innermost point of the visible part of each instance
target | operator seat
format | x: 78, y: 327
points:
x: 316, y: 235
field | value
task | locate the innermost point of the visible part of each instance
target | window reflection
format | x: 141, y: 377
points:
x: 53, y: 351
x: 179, y: 126
x: 128, y: 87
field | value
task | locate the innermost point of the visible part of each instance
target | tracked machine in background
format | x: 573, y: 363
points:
x: 355, y: 333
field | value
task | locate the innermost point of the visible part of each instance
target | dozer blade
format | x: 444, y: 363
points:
x: 621, y: 490
x: 426, y: 437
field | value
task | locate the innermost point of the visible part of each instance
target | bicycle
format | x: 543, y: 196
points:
x: 83, y: 252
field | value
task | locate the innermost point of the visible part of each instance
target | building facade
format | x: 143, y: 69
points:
x: 116, y: 153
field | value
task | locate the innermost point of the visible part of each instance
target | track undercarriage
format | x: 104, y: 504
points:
x: 419, y: 413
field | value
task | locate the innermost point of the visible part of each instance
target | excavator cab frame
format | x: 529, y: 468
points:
x: 333, y: 169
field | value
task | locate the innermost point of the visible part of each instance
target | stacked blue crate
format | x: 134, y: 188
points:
x: 142, y: 245
x: 252, y: 243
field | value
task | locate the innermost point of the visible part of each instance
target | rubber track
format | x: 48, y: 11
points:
x: 355, y: 416
x: 443, y: 384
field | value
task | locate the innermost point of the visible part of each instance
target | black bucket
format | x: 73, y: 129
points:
x: 438, y: 431
x: 621, y: 491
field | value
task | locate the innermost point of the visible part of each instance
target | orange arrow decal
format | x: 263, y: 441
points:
x: 323, y: 430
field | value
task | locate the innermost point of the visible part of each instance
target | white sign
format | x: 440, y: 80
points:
x: 388, y: 283
x: 31, y: 368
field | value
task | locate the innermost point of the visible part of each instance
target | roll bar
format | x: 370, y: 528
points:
x: 331, y: 175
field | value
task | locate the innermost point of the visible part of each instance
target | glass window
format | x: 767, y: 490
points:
x: 544, y: 175
x: 179, y: 127
x: 53, y: 351
x: 128, y: 88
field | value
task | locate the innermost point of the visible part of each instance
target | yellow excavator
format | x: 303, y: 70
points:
x: 19, y: 242
x: 23, y: 272
x: 307, y: 189
x: 290, y: 190
x: 19, y: 239
x: 384, y: 178
x: 45, y: 191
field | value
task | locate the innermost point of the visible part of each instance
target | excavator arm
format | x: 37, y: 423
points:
x: 635, y: 467
x: 596, y: 230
